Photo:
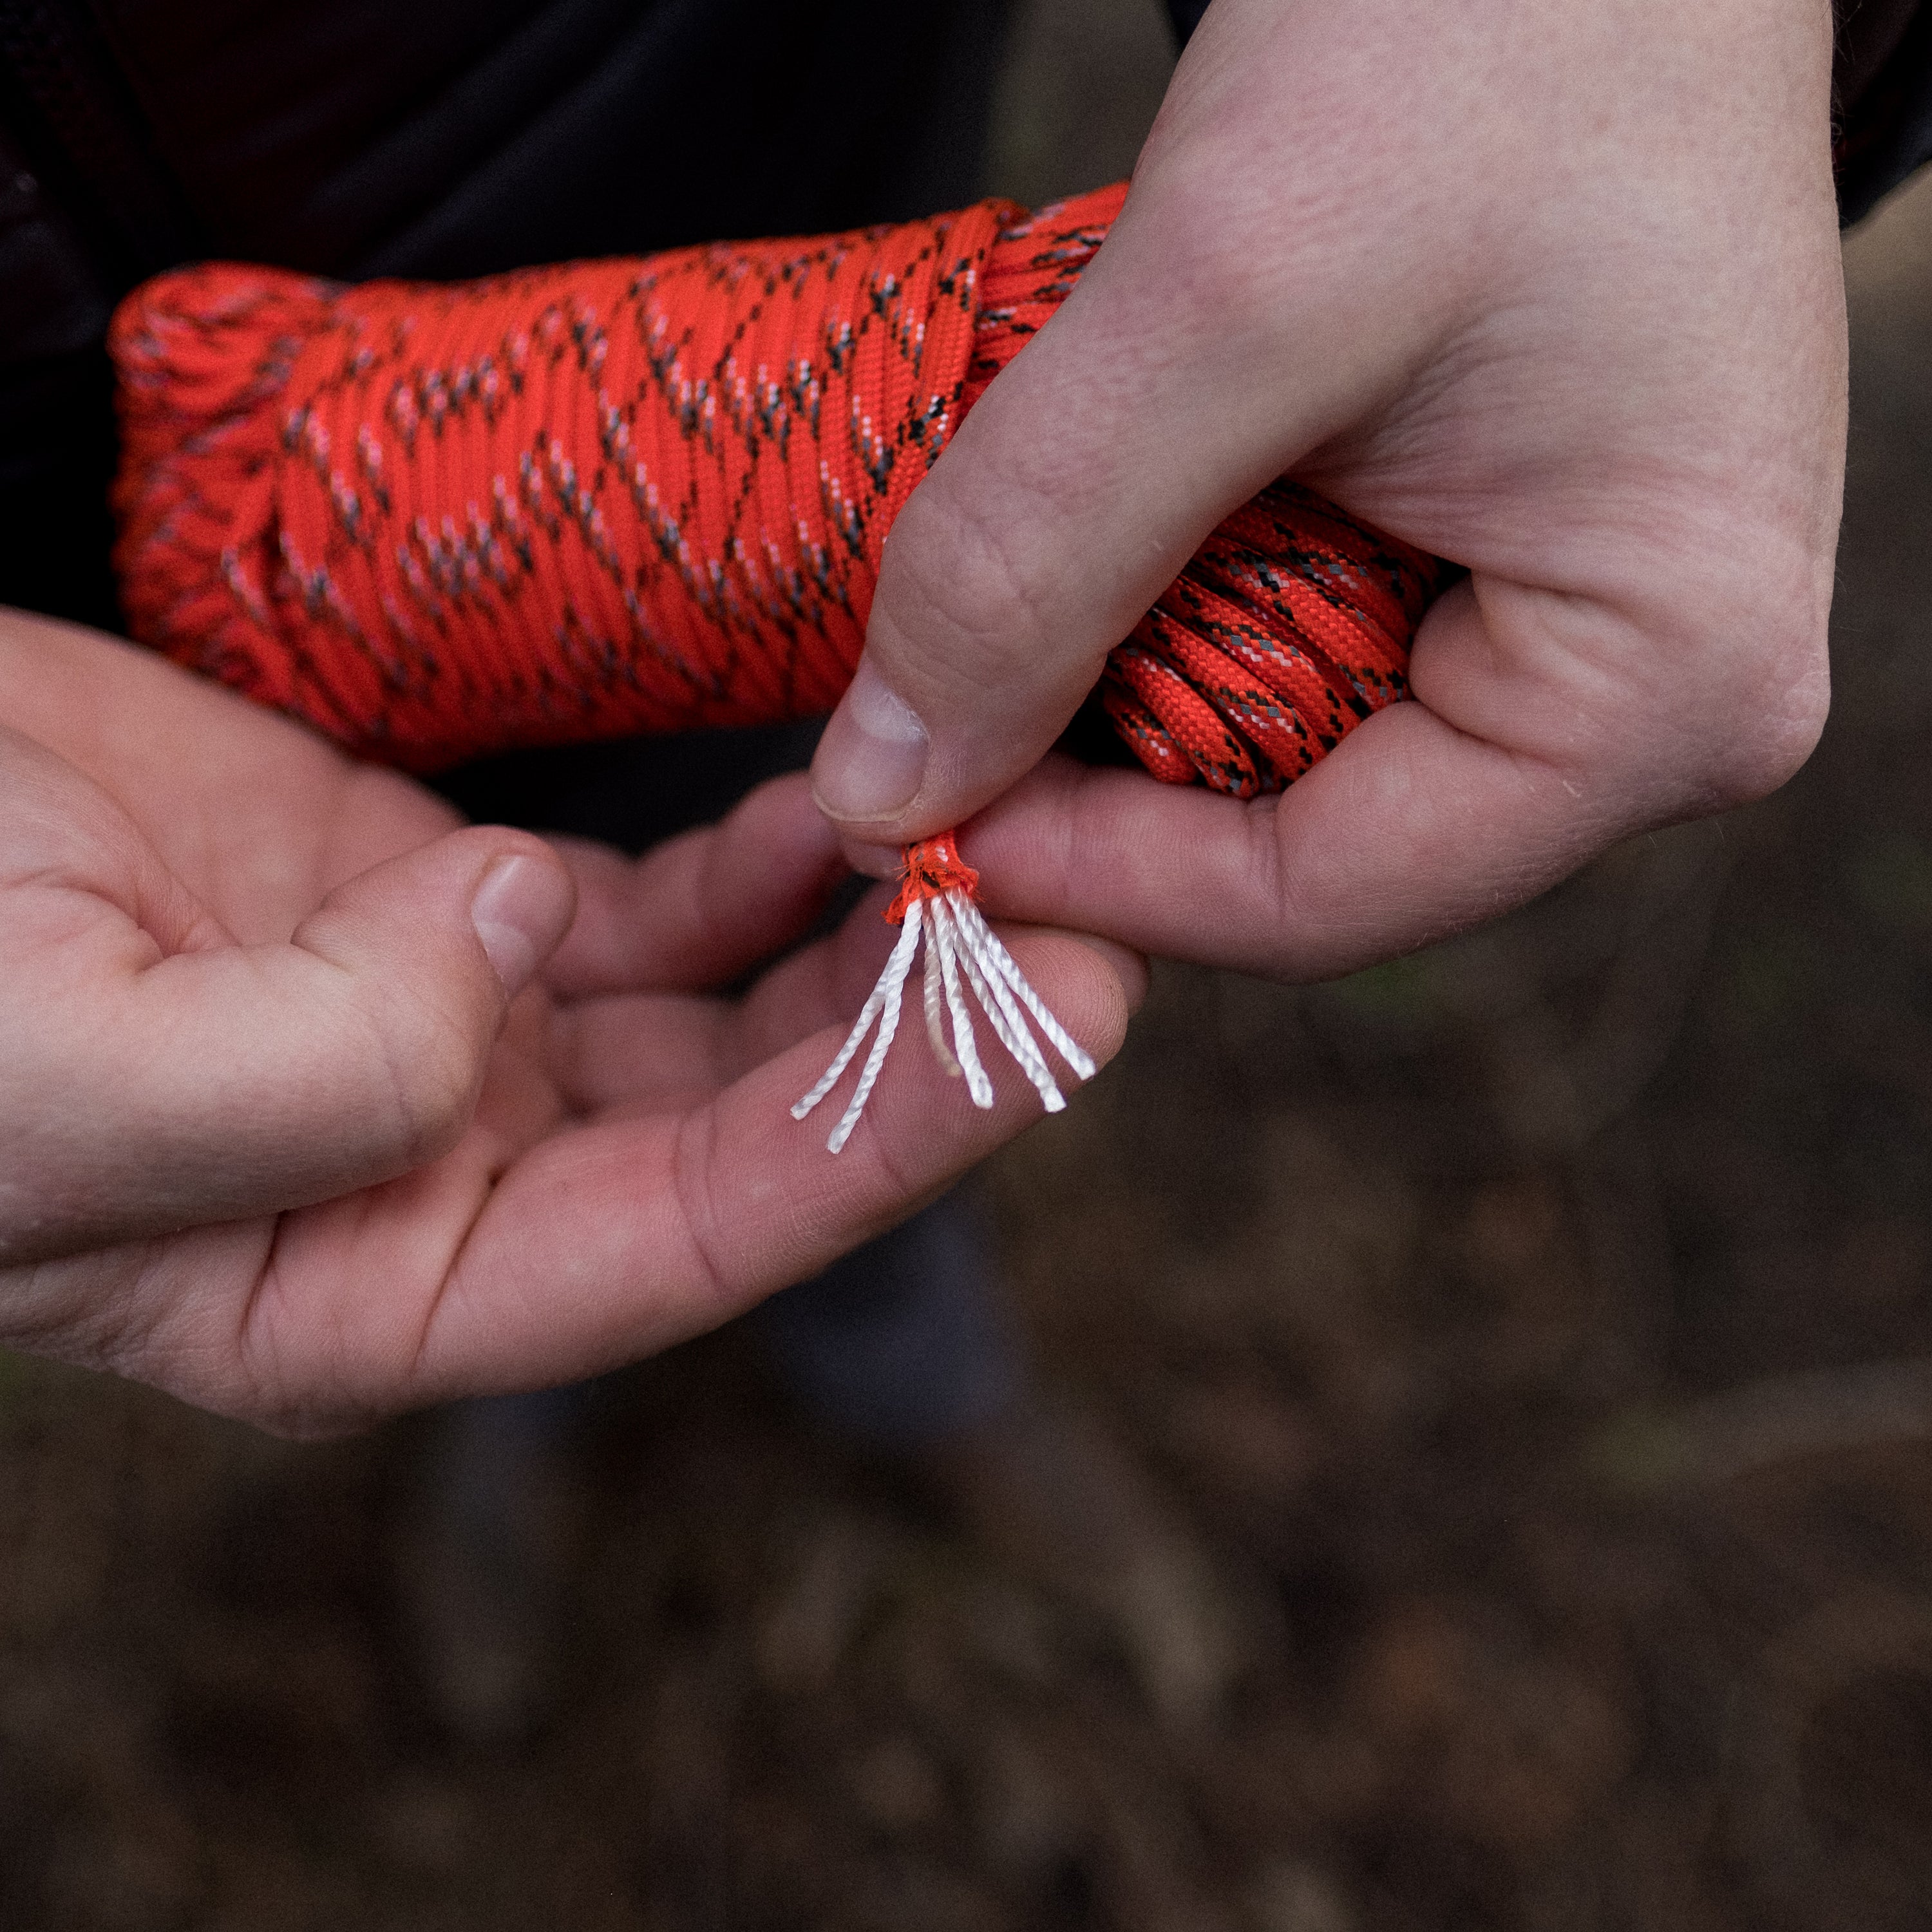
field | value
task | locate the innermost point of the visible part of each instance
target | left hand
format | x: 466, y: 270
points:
x: 623, y: 1172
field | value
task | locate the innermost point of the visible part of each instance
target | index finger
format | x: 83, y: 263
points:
x: 703, y: 908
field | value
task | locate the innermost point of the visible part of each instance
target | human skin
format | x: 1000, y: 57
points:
x: 1550, y: 288
x: 283, y: 1135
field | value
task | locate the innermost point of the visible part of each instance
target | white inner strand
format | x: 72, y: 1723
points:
x: 1063, y: 1043
x: 990, y: 989
x: 965, y: 1043
x: 959, y: 946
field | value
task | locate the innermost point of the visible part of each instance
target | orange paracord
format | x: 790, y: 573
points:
x: 644, y: 495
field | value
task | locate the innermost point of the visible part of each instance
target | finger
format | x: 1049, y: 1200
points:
x: 639, y: 1050
x: 1430, y: 817
x: 703, y: 908
x: 1348, y: 868
x: 496, y: 1267
x: 613, y: 1240
x: 1021, y: 561
x: 655, y: 1049
x: 658, y: 1049
x: 224, y: 1081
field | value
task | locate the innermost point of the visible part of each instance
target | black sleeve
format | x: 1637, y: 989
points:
x: 1186, y: 15
x: 1883, y: 78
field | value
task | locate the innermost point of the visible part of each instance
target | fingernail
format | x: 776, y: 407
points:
x: 520, y: 912
x: 876, y: 862
x: 872, y: 757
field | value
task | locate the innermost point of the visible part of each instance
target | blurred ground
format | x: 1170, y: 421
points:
x: 1544, y: 1326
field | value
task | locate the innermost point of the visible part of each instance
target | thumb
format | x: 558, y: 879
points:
x: 1044, y: 531
x: 1284, y: 264
x: 231, y: 1080
x: 1068, y: 501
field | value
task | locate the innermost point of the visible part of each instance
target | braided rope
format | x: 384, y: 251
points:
x: 644, y: 495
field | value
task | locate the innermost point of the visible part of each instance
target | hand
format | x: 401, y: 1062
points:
x: 301, y: 1126
x: 1548, y: 287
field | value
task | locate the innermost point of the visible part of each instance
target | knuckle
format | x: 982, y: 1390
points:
x: 957, y: 591
x: 1226, y: 265
x: 434, y: 1074
x: 1779, y: 713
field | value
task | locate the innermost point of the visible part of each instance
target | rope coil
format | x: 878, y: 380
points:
x: 437, y: 521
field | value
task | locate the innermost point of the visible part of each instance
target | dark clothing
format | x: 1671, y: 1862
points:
x: 1884, y: 83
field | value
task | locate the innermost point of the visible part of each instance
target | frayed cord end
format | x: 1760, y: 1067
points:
x: 938, y: 900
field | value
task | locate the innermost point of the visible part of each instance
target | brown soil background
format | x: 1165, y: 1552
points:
x: 1537, y: 1331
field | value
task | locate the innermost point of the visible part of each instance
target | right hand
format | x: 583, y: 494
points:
x: 1550, y: 288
